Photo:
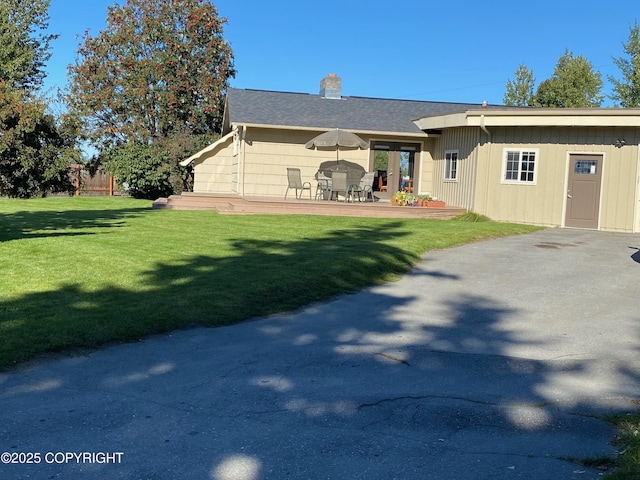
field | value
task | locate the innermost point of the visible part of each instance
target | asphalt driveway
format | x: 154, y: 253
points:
x: 488, y: 361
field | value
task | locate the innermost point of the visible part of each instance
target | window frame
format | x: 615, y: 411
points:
x: 521, y: 152
x: 448, y: 162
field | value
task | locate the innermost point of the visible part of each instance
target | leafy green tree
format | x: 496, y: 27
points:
x: 140, y: 170
x: 626, y: 92
x: 380, y: 160
x: 157, y: 67
x: 573, y: 84
x: 152, y: 83
x: 152, y: 170
x: 519, y: 92
x: 24, y: 47
x: 34, y: 153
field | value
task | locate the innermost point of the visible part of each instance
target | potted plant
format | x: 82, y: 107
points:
x: 435, y: 203
x: 404, y: 199
x: 398, y: 198
x: 423, y: 199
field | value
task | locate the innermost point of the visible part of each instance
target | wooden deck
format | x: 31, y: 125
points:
x: 230, y: 204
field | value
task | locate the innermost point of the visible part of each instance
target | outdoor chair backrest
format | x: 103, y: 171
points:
x: 367, y: 180
x: 339, y: 181
x: 294, y: 177
x: 323, y: 179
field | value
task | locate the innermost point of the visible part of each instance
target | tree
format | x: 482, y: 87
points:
x: 152, y: 170
x: 34, y: 152
x: 520, y: 92
x: 159, y: 66
x: 143, y: 172
x: 24, y: 48
x: 626, y: 92
x: 573, y: 84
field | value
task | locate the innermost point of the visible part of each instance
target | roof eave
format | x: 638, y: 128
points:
x: 324, y: 129
x: 547, y: 117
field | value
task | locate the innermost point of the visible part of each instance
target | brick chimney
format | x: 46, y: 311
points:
x: 331, y: 86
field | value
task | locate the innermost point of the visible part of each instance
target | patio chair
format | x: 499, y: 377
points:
x: 339, y: 184
x: 382, y: 186
x: 324, y: 184
x: 365, y: 187
x: 295, y: 181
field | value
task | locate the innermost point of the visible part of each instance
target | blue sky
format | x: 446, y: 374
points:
x: 411, y: 49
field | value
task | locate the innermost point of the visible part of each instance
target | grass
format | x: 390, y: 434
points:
x: 82, y: 272
x: 626, y: 466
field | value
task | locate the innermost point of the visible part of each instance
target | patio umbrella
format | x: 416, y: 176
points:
x: 353, y: 169
x: 336, y: 138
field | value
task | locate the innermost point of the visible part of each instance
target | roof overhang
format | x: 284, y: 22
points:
x: 534, y: 117
x: 325, y: 129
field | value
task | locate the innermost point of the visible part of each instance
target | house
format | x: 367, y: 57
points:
x: 555, y: 167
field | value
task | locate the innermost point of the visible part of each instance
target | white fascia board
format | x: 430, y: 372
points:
x: 206, y: 149
x: 543, y: 117
x: 442, y: 121
x: 324, y: 129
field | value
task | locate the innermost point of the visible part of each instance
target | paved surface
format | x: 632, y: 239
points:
x: 486, y: 362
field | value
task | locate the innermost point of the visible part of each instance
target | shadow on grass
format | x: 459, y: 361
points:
x: 52, y: 223
x: 262, y: 277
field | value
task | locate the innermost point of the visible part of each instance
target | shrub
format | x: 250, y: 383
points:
x: 471, y: 217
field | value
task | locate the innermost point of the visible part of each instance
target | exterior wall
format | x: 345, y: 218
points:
x: 266, y: 154
x: 461, y: 191
x: 424, y: 170
x: 216, y: 172
x: 543, y: 203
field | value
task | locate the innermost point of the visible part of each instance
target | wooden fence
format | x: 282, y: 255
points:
x: 101, y: 183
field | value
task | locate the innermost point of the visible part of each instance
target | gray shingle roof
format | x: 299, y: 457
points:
x: 261, y: 107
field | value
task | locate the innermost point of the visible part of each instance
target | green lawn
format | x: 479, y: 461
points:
x: 626, y: 466
x: 80, y: 272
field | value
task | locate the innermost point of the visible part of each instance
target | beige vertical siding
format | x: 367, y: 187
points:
x: 260, y: 166
x: 544, y: 202
x: 458, y: 193
x: 268, y: 153
x: 215, y: 173
x: 424, y: 169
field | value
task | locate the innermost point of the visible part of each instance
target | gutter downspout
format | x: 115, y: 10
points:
x: 243, y: 134
x: 636, y: 207
x: 489, y: 141
x: 484, y: 129
x: 239, y: 135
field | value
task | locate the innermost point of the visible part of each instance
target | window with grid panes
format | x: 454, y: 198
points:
x: 520, y: 166
x: 451, y: 165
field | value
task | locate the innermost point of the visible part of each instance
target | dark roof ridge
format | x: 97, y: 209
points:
x: 304, y: 110
x: 268, y: 91
x: 357, y: 96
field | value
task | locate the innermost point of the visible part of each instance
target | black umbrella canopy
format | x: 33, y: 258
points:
x: 353, y: 169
